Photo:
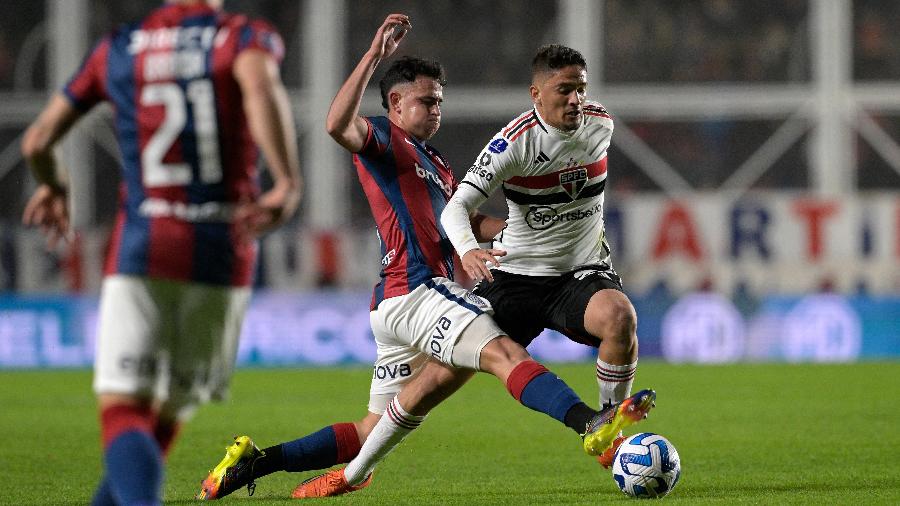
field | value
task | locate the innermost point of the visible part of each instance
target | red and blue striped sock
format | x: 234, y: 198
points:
x: 132, y: 458
x: 535, y: 387
x: 335, y: 444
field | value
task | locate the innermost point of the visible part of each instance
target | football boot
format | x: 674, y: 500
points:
x: 326, y: 485
x: 603, y: 429
x: 233, y: 472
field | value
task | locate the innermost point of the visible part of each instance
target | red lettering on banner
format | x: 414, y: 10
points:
x: 897, y: 230
x: 677, y: 234
x: 815, y: 213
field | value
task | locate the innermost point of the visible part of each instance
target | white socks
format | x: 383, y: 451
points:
x: 395, y: 424
x: 615, y: 382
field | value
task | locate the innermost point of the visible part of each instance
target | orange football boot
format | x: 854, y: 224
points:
x: 326, y: 485
x: 606, y: 458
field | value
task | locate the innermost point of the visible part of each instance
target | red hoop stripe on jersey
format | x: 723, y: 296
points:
x: 517, y: 122
x: 546, y: 181
x: 600, y: 114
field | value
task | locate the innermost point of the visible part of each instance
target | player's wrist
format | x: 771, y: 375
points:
x: 469, y: 249
x: 373, y: 57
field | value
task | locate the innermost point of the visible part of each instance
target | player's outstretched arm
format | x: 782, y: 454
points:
x: 47, y: 208
x: 268, y: 110
x: 459, y: 227
x: 343, y: 123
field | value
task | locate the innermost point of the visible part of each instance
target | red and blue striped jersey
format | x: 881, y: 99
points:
x: 187, y: 153
x: 407, y: 183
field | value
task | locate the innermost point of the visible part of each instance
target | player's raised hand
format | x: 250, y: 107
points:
x: 47, y: 208
x: 389, y: 35
x: 475, y: 262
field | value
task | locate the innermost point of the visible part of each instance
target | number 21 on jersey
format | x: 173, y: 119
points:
x: 199, y: 95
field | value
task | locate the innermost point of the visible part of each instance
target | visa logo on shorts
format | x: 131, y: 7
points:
x: 438, y: 336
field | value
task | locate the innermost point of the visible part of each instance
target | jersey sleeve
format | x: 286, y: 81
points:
x: 88, y: 86
x: 262, y: 36
x: 378, y: 137
x: 496, y: 163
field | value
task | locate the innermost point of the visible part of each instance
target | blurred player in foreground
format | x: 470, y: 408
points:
x: 425, y: 325
x: 194, y: 90
x: 556, y: 272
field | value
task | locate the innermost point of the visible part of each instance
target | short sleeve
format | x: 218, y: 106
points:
x: 262, y: 36
x: 88, y: 86
x: 378, y: 138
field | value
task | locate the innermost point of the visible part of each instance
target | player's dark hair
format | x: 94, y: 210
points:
x: 554, y: 57
x: 406, y: 70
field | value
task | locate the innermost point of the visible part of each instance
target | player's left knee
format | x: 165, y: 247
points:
x: 611, y: 317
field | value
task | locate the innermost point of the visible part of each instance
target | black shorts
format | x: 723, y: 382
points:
x: 525, y: 305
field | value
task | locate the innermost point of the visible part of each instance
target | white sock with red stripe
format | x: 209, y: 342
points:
x: 615, y: 382
x: 395, y: 424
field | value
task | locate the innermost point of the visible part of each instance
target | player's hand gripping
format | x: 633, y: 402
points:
x: 475, y: 262
x: 47, y: 208
x: 389, y: 35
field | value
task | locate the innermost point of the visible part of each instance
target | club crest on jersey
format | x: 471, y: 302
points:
x: 573, y: 181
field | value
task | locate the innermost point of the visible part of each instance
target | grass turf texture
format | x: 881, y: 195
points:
x: 751, y: 434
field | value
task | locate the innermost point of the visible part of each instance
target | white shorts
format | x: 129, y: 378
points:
x: 172, y: 341
x: 428, y: 322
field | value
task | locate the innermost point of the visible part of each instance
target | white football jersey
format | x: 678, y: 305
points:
x: 553, y: 182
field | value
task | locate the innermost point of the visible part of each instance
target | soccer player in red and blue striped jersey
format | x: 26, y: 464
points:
x: 196, y: 94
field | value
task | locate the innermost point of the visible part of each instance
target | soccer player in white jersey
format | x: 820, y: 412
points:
x: 550, y: 163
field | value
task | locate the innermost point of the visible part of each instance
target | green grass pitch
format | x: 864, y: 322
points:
x: 747, y: 434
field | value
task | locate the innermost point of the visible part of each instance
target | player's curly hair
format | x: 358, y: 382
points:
x: 554, y: 57
x: 405, y: 70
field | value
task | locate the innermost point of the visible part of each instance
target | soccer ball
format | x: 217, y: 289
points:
x: 646, y: 465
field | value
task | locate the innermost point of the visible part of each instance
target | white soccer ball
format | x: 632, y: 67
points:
x: 646, y: 465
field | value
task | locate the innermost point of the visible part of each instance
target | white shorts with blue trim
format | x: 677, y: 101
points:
x: 172, y: 341
x: 427, y: 322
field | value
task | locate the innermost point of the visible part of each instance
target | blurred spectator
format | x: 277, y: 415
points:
x: 8, y: 267
x: 506, y: 34
x: 876, y: 50
x: 7, y: 63
x: 18, y: 22
x: 873, y: 172
x: 706, y: 41
x: 706, y: 153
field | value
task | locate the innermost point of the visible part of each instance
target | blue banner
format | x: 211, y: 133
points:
x: 330, y: 328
